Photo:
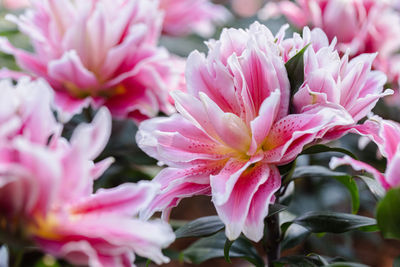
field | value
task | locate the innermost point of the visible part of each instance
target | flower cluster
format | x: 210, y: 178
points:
x: 365, y: 26
x: 233, y: 126
x: 182, y: 17
x: 102, y: 53
x: 46, y: 186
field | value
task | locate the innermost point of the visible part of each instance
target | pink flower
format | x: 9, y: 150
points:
x: 232, y: 130
x: 363, y: 26
x: 246, y: 8
x: 386, y: 134
x: 46, y: 187
x: 15, y: 4
x: 99, y: 52
x: 346, y: 84
x: 182, y: 17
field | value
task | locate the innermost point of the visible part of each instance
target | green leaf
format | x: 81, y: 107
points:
x: 335, y: 222
x: 315, y: 149
x: 297, y: 261
x: 214, y: 247
x: 276, y: 208
x: 295, y: 70
x: 294, y: 235
x: 374, y: 186
x: 204, y: 226
x: 388, y: 214
x: 344, y: 178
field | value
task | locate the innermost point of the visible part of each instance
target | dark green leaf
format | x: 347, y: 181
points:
x: 345, y: 179
x: 295, y: 70
x: 334, y: 222
x: 276, y: 208
x: 213, y: 247
x: 297, y: 261
x: 374, y: 186
x: 294, y: 235
x: 388, y: 214
x: 204, y: 226
x: 323, y: 148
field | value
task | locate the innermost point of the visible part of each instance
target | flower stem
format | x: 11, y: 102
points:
x: 272, y: 237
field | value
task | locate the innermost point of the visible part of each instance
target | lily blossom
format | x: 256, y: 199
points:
x: 46, y: 186
x: 182, y: 17
x: 232, y: 130
x: 99, y: 53
x: 386, y: 135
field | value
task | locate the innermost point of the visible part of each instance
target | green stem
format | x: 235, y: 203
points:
x: 272, y: 237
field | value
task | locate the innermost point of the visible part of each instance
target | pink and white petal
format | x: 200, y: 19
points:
x: 175, y: 186
x: 365, y: 104
x: 262, y: 124
x: 359, y: 166
x: 70, y: 71
x: 67, y: 106
x: 194, y: 111
x: 289, y: 135
x: 392, y: 173
x: 264, y: 73
x: 126, y: 199
x: 92, y: 138
x: 236, y: 209
x: 293, y: 12
x: 45, y: 168
x: 254, y: 225
x: 224, y: 181
x: 159, y: 137
x: 100, y: 167
x: 228, y: 126
x: 216, y: 83
x: 24, y: 59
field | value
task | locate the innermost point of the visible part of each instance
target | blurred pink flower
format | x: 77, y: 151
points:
x: 15, y: 4
x: 360, y: 26
x: 46, y: 186
x: 99, y: 52
x: 386, y: 134
x: 232, y: 130
x: 183, y: 17
x: 363, y: 26
x: 246, y: 8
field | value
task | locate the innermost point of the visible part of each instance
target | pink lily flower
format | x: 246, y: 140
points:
x: 15, y: 4
x: 359, y: 26
x: 386, y: 135
x: 46, y: 187
x: 182, y: 17
x: 232, y: 130
x: 348, y: 84
x: 102, y: 53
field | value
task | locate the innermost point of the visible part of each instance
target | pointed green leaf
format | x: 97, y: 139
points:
x: 295, y: 70
x: 315, y: 149
x: 334, y: 222
x: 344, y: 178
x: 388, y: 214
x: 214, y: 247
x: 204, y: 226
